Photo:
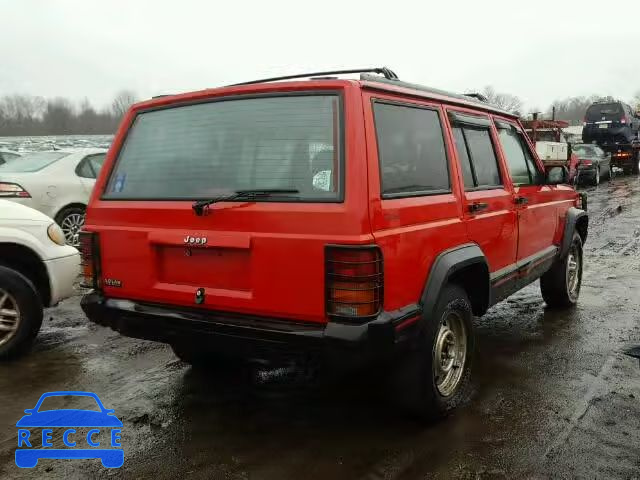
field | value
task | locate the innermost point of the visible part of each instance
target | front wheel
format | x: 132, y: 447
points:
x: 20, y: 313
x: 560, y: 286
x: 435, y: 376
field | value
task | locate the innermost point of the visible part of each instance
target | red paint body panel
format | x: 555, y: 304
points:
x: 267, y: 258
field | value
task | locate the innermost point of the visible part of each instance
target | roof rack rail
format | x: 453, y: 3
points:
x: 477, y: 96
x: 388, y: 74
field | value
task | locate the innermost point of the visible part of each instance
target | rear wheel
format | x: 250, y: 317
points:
x: 71, y: 221
x: 635, y: 168
x: 560, y: 286
x: 20, y: 313
x: 435, y: 376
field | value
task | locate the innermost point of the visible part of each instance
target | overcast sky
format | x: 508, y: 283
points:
x: 539, y: 50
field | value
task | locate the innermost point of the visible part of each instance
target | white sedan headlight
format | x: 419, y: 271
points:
x: 56, y: 235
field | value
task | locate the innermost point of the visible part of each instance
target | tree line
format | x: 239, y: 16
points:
x: 571, y: 109
x: 33, y: 115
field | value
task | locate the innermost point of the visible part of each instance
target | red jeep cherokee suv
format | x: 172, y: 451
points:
x: 333, y: 217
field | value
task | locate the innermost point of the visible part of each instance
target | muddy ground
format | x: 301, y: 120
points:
x: 555, y: 394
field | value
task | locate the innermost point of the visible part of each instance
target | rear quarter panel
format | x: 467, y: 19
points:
x: 410, y: 231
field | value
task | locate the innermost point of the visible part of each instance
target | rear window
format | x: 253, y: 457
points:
x: 585, y: 151
x: 210, y: 149
x: 32, y: 162
x: 604, y: 111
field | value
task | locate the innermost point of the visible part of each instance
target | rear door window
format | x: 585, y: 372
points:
x: 476, y: 153
x: 411, y: 150
x: 210, y: 149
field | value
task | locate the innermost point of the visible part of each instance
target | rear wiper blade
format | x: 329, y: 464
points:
x: 201, y: 206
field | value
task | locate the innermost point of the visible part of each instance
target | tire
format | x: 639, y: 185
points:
x: 22, y: 316
x: 560, y: 288
x: 71, y: 220
x: 425, y: 394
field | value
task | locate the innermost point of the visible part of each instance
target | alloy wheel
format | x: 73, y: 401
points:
x: 573, y: 272
x: 449, y: 353
x: 71, y: 226
x: 9, y: 317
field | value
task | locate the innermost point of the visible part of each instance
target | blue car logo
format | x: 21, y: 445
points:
x: 31, y: 448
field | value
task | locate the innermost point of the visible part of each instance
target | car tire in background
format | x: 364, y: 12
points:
x: 71, y: 220
x: 20, y: 313
x: 560, y: 285
x: 435, y: 377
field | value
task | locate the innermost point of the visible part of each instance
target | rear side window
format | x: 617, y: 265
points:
x: 211, y: 149
x: 411, y: 150
x: 477, y: 157
x: 90, y: 166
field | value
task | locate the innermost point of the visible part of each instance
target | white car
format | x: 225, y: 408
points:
x: 37, y: 269
x: 7, y: 156
x: 57, y: 183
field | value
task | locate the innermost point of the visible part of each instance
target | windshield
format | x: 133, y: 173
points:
x: 604, y: 111
x: 32, y: 162
x: 205, y: 150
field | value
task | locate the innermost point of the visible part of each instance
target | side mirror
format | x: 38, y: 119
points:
x: 557, y: 176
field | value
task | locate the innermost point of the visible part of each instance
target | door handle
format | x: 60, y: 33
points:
x: 477, y: 206
x: 521, y: 200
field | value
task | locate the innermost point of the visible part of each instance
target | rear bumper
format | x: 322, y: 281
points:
x: 252, y: 337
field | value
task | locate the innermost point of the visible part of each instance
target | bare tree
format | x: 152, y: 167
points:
x: 573, y: 109
x: 124, y: 99
x: 505, y: 101
x: 59, y: 116
x: 635, y: 101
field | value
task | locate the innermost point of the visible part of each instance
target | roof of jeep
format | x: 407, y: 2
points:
x: 366, y: 81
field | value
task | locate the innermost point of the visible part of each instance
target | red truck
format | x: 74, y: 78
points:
x: 352, y: 220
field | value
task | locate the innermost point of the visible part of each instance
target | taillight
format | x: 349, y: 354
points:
x: 354, y: 281
x: 12, y: 190
x: 586, y: 162
x: 90, y: 259
x: 624, y: 120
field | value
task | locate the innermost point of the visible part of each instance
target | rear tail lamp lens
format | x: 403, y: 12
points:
x: 12, y: 190
x: 586, y: 162
x: 90, y: 259
x: 354, y: 281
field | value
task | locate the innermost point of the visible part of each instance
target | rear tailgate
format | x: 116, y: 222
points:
x: 270, y: 270
x: 260, y: 257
